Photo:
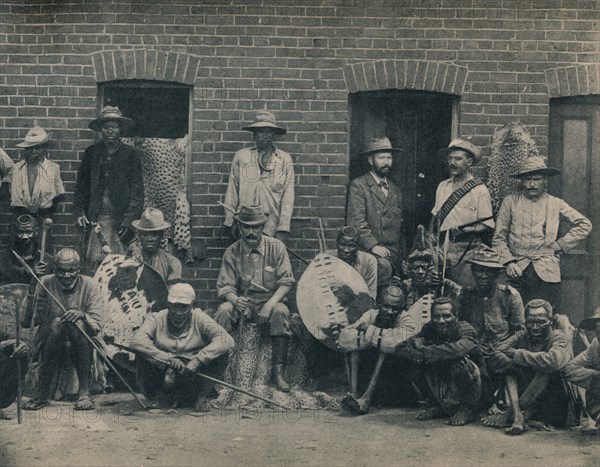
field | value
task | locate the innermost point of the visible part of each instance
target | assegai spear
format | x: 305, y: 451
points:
x: 85, y: 334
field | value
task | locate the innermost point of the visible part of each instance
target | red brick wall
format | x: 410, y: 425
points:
x: 289, y: 58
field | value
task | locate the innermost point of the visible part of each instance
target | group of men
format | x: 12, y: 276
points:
x: 485, y: 334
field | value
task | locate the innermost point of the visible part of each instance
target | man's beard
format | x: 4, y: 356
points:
x: 440, y: 334
x: 386, y: 320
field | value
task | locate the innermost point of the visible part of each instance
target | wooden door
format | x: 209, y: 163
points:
x: 419, y: 123
x: 574, y: 148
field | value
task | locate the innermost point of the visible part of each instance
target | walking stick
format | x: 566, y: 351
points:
x: 85, y: 334
x: 46, y: 227
x: 202, y: 375
x: 444, y: 264
x: 19, y: 383
x: 245, y: 286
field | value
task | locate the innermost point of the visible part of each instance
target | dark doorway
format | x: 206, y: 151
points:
x: 418, y: 122
x: 574, y: 145
x: 159, y: 109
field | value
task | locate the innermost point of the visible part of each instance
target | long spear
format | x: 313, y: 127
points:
x: 19, y: 382
x: 202, y: 375
x: 85, y: 334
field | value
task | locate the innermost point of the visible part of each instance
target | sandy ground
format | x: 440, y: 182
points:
x: 123, y: 435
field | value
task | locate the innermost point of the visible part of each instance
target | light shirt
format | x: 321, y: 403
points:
x: 48, y: 185
x: 475, y: 205
x: 272, y: 189
x: 527, y: 232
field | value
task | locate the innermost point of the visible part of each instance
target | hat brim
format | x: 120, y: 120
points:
x: 486, y: 264
x: 278, y: 130
x: 373, y: 151
x: 136, y: 225
x: 96, y: 125
x: 476, y: 157
x: 27, y: 144
x: 548, y: 171
x: 258, y: 222
x: 589, y: 324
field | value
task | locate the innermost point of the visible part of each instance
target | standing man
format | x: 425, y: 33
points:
x: 176, y: 343
x: 527, y: 233
x: 109, y: 188
x: 266, y: 261
x: 57, y: 337
x: 150, y: 230
x: 263, y: 175
x: 375, y: 209
x: 36, y: 184
x: 364, y: 263
x: 462, y: 199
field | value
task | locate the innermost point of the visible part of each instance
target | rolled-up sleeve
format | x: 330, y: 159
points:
x: 227, y: 280
x: 285, y: 276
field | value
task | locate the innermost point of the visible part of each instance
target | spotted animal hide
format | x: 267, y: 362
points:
x: 511, y: 146
x: 163, y: 169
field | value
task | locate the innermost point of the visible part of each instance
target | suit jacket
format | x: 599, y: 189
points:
x: 123, y: 182
x: 378, y: 218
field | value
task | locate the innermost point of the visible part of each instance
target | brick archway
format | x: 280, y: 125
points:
x: 406, y: 74
x: 577, y: 80
x: 147, y: 64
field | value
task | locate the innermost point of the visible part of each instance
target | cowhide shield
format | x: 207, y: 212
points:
x: 12, y: 298
x: 331, y: 295
x: 130, y: 290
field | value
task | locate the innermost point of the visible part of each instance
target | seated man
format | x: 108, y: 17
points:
x: 531, y: 361
x: 26, y: 245
x: 584, y: 371
x: 423, y: 278
x: 377, y: 329
x: 265, y: 260
x: 175, y: 343
x: 442, y: 368
x: 364, y: 263
x: 495, y: 311
x: 150, y: 230
x: 10, y: 354
x: 58, y: 337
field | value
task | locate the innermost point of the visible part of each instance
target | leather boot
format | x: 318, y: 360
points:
x: 279, y: 360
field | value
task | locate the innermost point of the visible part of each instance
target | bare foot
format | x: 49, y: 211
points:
x: 356, y: 406
x: 461, y: 417
x: 430, y: 414
x: 4, y: 415
x: 494, y: 410
x: 501, y: 420
x: 518, y: 426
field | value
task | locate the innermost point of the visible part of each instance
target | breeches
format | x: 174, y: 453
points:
x: 279, y: 322
x: 530, y: 286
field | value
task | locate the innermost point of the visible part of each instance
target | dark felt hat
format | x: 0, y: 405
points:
x: 378, y: 145
x: 110, y: 113
x: 251, y: 215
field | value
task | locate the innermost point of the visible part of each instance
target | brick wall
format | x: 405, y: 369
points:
x: 289, y: 57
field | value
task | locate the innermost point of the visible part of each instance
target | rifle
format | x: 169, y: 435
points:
x: 201, y: 375
x: 85, y: 334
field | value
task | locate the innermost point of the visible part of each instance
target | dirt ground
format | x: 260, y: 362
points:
x: 120, y: 434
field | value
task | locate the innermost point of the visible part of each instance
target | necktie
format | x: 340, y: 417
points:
x: 383, y: 184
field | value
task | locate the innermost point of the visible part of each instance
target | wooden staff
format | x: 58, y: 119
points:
x: 245, y: 287
x: 47, y: 225
x: 85, y: 334
x: 19, y: 383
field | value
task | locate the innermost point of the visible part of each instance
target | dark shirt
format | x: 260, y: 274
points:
x: 422, y: 349
x: 120, y: 174
x: 495, y: 317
